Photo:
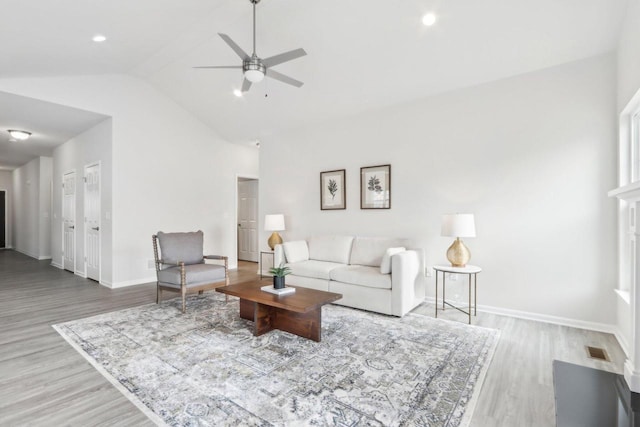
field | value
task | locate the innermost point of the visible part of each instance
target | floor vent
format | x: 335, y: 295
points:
x: 597, y: 353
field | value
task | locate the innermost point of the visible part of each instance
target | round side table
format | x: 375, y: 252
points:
x: 472, y: 272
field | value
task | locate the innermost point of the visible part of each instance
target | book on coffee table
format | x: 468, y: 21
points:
x: 282, y: 291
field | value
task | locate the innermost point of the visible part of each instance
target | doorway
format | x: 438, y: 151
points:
x: 3, y: 219
x: 92, y: 220
x: 247, y: 219
x: 69, y: 221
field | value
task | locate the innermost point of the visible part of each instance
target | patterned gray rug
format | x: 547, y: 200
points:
x: 205, y: 368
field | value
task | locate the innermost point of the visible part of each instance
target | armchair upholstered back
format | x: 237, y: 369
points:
x: 181, y: 247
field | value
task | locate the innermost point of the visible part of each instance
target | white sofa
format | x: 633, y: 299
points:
x: 351, y: 266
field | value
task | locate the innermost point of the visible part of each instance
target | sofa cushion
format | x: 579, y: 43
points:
x: 370, y: 250
x: 296, y: 251
x: 181, y: 247
x: 361, y: 275
x: 385, y: 265
x: 196, y: 274
x: 313, y: 268
x: 330, y: 248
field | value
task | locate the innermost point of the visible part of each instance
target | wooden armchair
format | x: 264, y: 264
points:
x: 181, y: 266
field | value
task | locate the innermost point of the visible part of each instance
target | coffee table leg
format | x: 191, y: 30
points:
x: 247, y: 309
x: 264, y: 320
x: 307, y: 325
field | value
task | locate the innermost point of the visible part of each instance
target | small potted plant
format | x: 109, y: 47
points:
x: 278, y: 275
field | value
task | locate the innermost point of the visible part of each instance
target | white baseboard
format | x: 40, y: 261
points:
x: 38, y: 257
x: 26, y: 253
x: 56, y: 265
x: 81, y: 274
x: 126, y: 283
x: 631, y: 376
x: 556, y: 320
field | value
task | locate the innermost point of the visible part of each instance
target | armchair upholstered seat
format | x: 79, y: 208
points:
x: 181, y: 266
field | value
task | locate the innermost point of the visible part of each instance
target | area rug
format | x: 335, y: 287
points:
x: 205, y: 367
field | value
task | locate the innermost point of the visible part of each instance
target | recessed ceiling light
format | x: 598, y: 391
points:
x: 429, y: 19
x: 238, y: 93
x: 20, y: 135
x: 99, y: 38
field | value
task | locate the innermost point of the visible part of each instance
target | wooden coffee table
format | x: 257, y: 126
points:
x: 299, y: 313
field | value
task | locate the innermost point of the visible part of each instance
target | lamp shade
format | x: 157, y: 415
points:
x: 458, y: 225
x: 274, y: 222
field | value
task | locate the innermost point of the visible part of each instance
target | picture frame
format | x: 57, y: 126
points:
x: 375, y: 187
x: 333, y: 190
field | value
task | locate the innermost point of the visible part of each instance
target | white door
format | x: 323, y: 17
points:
x: 69, y: 221
x: 92, y: 221
x: 248, y: 220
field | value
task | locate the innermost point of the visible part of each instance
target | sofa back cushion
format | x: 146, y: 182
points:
x: 296, y: 251
x: 330, y: 248
x: 370, y: 250
x: 181, y: 247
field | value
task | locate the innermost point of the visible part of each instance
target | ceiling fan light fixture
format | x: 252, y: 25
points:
x: 254, y: 76
x: 429, y: 19
x: 20, y: 135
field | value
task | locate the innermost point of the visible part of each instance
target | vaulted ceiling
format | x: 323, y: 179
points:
x: 361, y: 54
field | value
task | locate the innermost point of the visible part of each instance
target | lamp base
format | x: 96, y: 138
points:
x: 458, y: 254
x: 274, y: 240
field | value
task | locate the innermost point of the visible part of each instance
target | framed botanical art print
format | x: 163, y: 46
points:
x: 375, y: 187
x: 333, y: 193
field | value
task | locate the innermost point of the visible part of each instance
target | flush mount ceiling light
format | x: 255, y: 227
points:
x: 238, y: 93
x: 99, y: 38
x: 20, y: 135
x: 429, y: 19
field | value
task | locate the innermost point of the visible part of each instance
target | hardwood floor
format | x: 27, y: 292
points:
x: 43, y: 381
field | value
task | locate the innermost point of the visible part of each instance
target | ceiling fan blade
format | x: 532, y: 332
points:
x: 219, y: 66
x: 284, y: 79
x: 246, y: 85
x: 237, y: 49
x: 283, y: 57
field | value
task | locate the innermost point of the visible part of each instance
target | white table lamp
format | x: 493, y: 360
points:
x: 458, y: 225
x: 274, y: 223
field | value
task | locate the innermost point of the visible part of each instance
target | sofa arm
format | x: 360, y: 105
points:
x: 278, y: 256
x: 406, y: 285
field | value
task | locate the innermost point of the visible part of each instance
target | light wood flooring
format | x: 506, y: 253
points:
x: 43, y: 381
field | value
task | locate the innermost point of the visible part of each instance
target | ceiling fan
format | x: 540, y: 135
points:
x: 255, y: 68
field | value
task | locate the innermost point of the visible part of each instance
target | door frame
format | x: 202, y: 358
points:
x: 7, y: 245
x: 84, y: 176
x: 75, y: 219
x: 235, y: 219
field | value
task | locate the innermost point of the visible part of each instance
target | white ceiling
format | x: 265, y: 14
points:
x: 361, y: 54
x: 50, y: 125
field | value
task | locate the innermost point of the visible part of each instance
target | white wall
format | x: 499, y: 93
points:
x: 6, y: 183
x: 532, y: 157
x: 45, y: 203
x: 170, y: 171
x: 629, y: 56
x: 32, y: 208
x: 93, y: 145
